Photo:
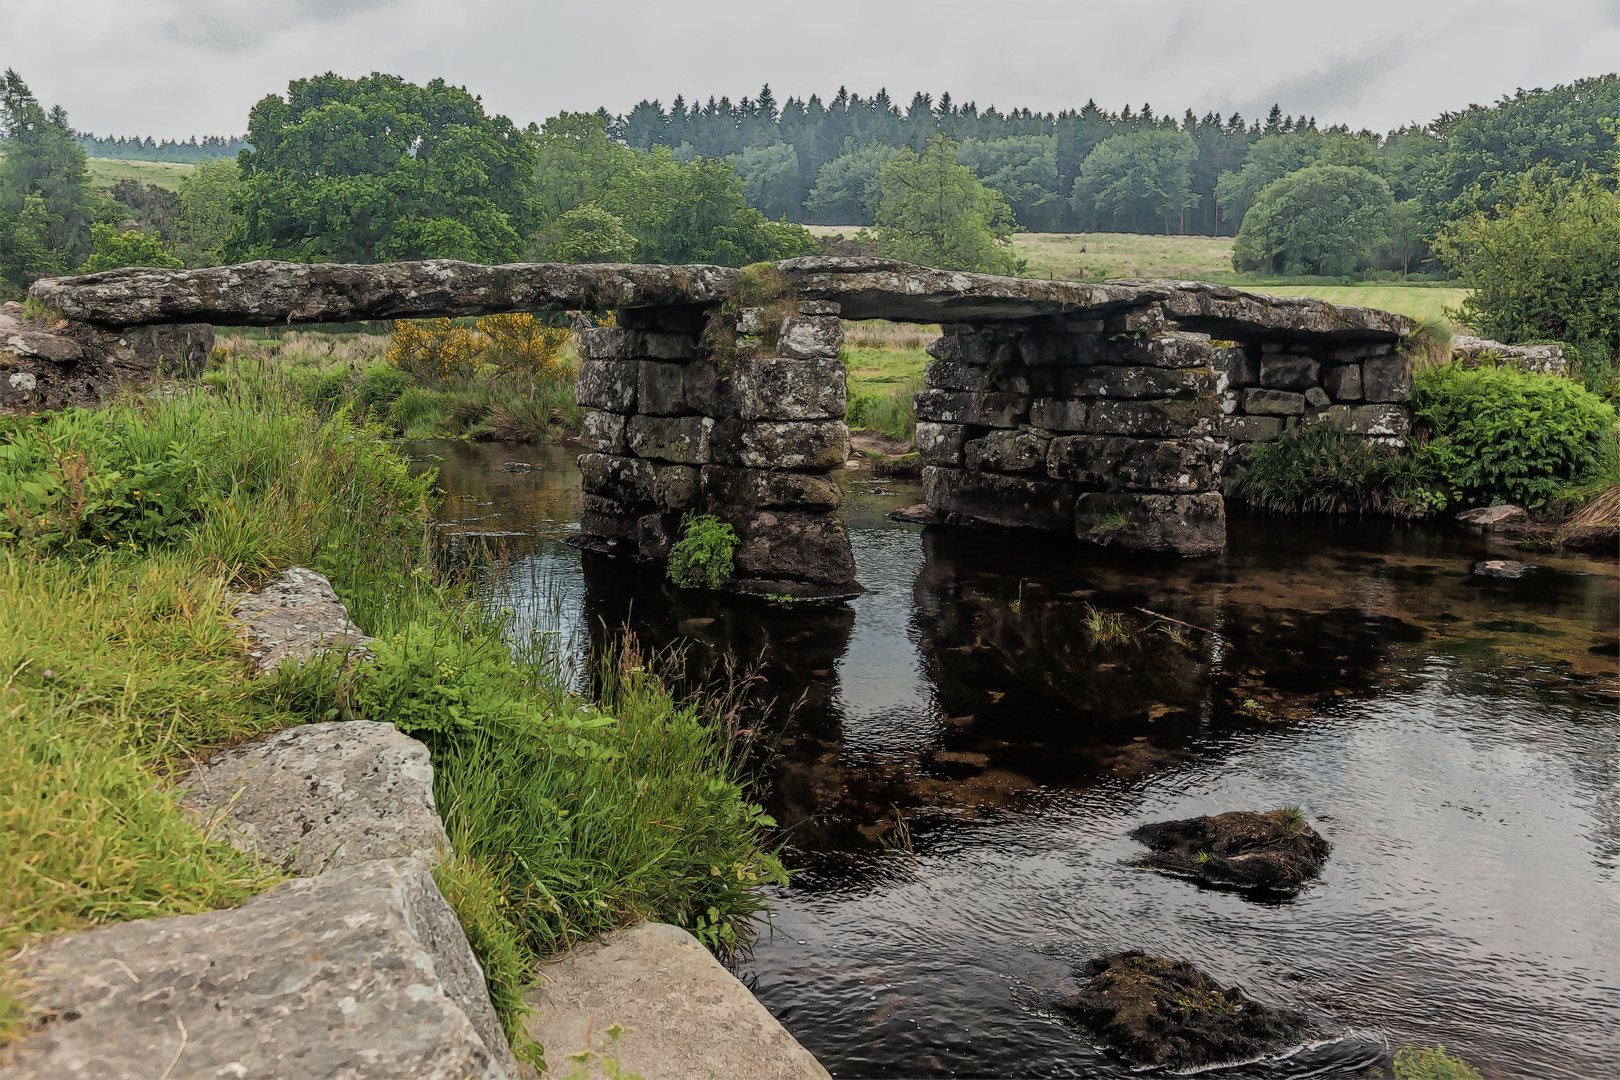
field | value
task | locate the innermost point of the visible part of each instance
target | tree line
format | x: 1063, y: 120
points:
x: 188, y: 152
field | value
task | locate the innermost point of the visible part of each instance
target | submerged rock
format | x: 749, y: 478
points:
x: 1168, y: 1013
x: 1272, y: 850
x: 1502, y: 568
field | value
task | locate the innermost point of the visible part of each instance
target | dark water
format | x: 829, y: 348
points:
x: 1454, y: 736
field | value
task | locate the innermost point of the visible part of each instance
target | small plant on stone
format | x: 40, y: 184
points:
x: 702, y: 558
x: 764, y: 296
x: 1431, y: 1063
x: 1113, y: 519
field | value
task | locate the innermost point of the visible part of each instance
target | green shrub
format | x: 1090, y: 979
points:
x: 1498, y: 435
x: 1431, y: 1063
x: 702, y: 557
x: 1321, y: 471
x: 893, y: 412
x: 379, y: 386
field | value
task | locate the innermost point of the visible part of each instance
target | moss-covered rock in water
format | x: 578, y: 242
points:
x: 1273, y: 850
x: 1168, y: 1013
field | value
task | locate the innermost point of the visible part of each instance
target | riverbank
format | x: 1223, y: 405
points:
x: 126, y: 531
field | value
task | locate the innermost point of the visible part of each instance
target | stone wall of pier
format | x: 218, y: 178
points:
x: 752, y: 441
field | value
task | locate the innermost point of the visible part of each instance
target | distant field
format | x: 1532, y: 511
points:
x: 105, y: 172
x: 1415, y: 301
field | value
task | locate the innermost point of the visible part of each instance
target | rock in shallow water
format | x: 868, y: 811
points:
x: 1502, y: 568
x: 1168, y: 1013
x: 1274, y: 850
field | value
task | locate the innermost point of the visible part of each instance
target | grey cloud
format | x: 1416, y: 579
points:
x: 335, y: 11
x: 212, y: 33
x: 1331, y: 90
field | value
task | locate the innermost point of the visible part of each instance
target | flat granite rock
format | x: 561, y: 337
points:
x: 297, y: 615
x: 684, y: 1015
x: 358, y: 974
x: 320, y: 796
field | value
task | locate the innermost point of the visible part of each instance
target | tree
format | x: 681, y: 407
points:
x: 208, y: 197
x: 588, y: 234
x: 361, y: 170
x: 677, y: 211
x: 1024, y: 169
x: 770, y: 178
x: 1133, y: 182
x: 115, y: 247
x: 1324, y: 219
x: 934, y: 211
x: 1543, y: 261
x: 46, y: 201
x: 849, y: 187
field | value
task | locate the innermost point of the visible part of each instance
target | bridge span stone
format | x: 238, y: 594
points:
x: 1113, y: 412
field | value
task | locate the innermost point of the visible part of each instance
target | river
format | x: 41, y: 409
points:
x: 962, y: 764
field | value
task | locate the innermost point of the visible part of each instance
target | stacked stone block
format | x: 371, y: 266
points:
x: 1271, y: 387
x: 1109, y: 429
x: 752, y: 441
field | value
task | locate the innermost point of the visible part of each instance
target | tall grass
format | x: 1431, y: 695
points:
x: 123, y: 532
x: 1321, y: 471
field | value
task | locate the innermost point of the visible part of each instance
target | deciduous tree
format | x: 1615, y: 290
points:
x: 936, y: 212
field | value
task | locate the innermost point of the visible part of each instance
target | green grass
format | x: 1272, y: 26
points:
x: 105, y: 172
x: 1416, y: 301
x: 123, y: 532
x: 878, y: 371
x: 1114, y: 255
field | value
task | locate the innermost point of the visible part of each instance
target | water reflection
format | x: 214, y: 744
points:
x: 1453, y: 735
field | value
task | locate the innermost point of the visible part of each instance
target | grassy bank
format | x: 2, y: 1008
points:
x: 884, y: 365
x: 105, y: 172
x: 326, y: 372
x: 124, y: 532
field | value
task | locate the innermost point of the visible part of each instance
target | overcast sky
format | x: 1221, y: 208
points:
x: 176, y: 68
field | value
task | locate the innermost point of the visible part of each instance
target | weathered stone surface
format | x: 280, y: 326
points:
x: 777, y: 388
x: 780, y: 444
x: 1163, y: 524
x: 607, y: 384
x: 1388, y: 421
x: 1138, y: 320
x: 315, y: 797
x: 1014, y: 502
x: 1058, y: 414
x: 661, y: 389
x: 1240, y: 366
x: 1486, y: 518
x: 955, y: 375
x: 296, y: 615
x: 52, y: 365
x: 1343, y: 382
x: 1386, y: 379
x: 661, y: 345
x: 1317, y: 398
x: 726, y: 487
x: 685, y: 1016
x: 1225, y: 312
x: 1117, y: 381
x: 1022, y: 379
x: 626, y: 480
x: 683, y: 440
x: 656, y: 534
x: 1252, y: 428
x: 818, y: 307
x: 776, y: 545
x: 1502, y: 568
x: 1009, y: 452
x: 605, y: 343
x: 603, y: 432
x: 607, y: 518
x: 1540, y: 359
x: 977, y: 410
x: 1154, y: 418
x: 810, y: 337
x: 1286, y: 372
x: 941, y: 444
x: 268, y: 293
x: 676, y: 487
x: 362, y: 973
x: 1272, y: 402
x: 1124, y: 464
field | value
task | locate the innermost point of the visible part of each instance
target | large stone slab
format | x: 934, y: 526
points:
x: 319, y: 796
x: 360, y: 974
x: 727, y: 487
x: 1124, y: 464
x: 1012, y: 502
x: 296, y: 616
x: 685, y: 1016
x: 777, y: 546
x: 782, y: 388
x: 780, y: 444
x: 976, y: 410
x: 1159, y: 524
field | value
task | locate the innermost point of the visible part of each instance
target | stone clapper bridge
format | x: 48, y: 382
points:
x: 1109, y: 411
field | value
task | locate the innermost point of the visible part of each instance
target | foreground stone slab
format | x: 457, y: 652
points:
x: 297, y: 616
x: 357, y: 974
x: 320, y: 796
x: 685, y: 1016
